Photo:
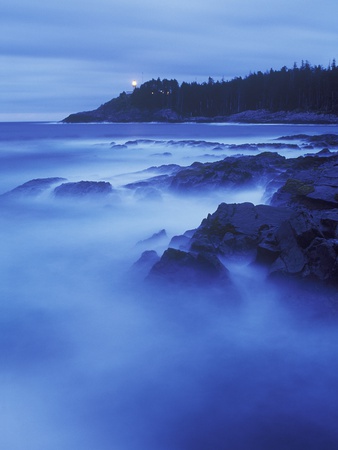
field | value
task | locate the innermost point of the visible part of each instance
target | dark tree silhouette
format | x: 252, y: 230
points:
x: 307, y: 88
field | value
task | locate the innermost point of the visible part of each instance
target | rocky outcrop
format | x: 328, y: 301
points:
x: 189, y: 268
x: 238, y: 229
x: 287, y: 180
x: 83, y: 189
x: 295, y: 237
x: 122, y: 109
x: 310, y: 182
x: 33, y: 188
x: 287, y: 243
x: 244, y: 171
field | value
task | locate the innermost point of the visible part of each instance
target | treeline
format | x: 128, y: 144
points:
x: 304, y: 88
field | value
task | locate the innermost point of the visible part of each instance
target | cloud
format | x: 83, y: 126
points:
x: 176, y: 39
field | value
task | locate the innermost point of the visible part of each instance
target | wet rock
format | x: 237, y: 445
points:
x: 322, y: 259
x: 329, y: 223
x: 245, y: 171
x: 304, y: 251
x: 187, y: 268
x: 84, y: 189
x: 289, y: 243
x: 182, y: 242
x: 291, y: 258
x: 311, y: 182
x: 237, y: 229
x: 33, y: 188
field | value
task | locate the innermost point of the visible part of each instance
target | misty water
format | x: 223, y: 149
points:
x: 91, y: 357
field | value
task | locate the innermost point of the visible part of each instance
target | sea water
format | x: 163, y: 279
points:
x: 90, y: 358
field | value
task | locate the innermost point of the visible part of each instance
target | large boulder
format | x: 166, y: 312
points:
x: 237, y: 229
x: 83, y: 189
x: 292, y: 243
x: 303, y: 249
x: 187, y: 268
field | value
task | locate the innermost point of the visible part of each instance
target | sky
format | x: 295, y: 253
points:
x: 61, y: 57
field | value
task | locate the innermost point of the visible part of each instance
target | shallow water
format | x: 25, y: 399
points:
x: 91, y: 358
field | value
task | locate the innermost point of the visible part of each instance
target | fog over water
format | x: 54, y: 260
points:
x: 93, y: 358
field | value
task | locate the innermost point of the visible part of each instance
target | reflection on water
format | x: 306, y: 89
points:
x: 92, y: 359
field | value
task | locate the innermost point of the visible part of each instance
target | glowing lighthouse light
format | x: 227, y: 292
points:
x: 134, y: 83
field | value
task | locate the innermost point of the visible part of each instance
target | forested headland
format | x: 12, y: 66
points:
x: 307, y: 88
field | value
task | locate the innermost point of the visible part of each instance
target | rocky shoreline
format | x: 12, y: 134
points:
x: 106, y: 114
x: 294, y: 237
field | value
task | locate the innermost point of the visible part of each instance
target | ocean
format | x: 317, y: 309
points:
x: 93, y: 358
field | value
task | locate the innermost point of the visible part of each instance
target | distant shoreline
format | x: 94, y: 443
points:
x: 169, y: 116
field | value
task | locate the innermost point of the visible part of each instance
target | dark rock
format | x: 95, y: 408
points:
x: 186, y: 268
x: 265, y: 116
x: 310, y: 182
x: 157, y: 182
x: 291, y: 259
x: 182, y: 242
x: 322, y: 259
x: 267, y: 252
x: 324, y: 152
x: 118, y: 146
x: 84, y: 189
x: 329, y: 223
x: 245, y: 171
x: 294, y: 238
x: 304, y: 251
x: 288, y: 243
x: 237, y: 229
x: 120, y: 109
x: 33, y: 188
x: 304, y: 229
x: 324, y: 140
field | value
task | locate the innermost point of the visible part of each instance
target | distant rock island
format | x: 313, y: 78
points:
x: 305, y: 94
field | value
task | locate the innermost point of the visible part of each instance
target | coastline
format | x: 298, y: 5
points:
x: 170, y: 116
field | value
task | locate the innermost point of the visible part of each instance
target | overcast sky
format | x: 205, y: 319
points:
x: 73, y: 55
